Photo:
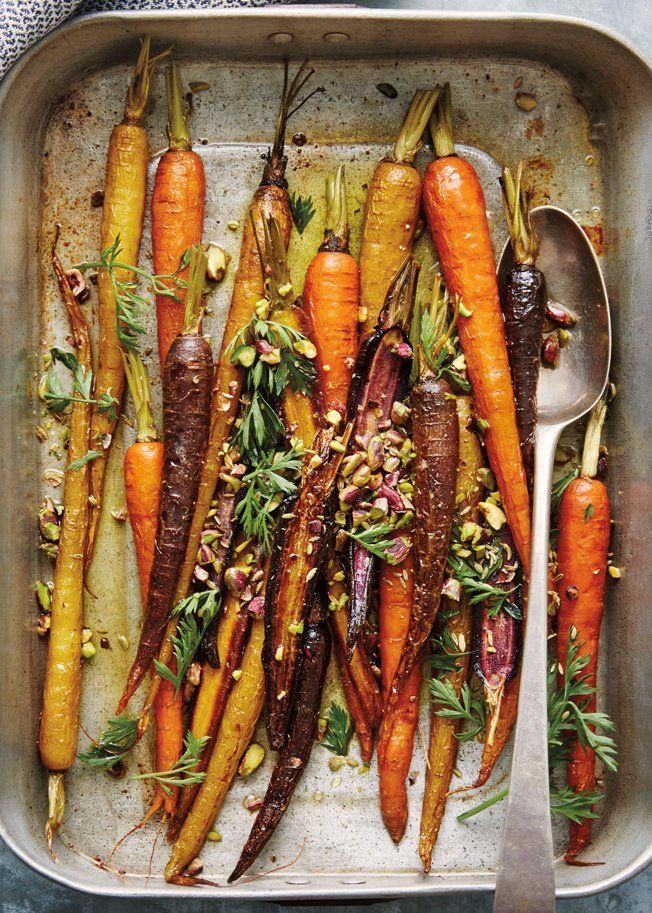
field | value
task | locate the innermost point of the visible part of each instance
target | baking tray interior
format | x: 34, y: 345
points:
x: 586, y: 149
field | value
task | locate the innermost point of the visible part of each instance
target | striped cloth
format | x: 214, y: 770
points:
x: 23, y: 22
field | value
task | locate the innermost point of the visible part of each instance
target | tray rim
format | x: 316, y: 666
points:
x: 287, y: 892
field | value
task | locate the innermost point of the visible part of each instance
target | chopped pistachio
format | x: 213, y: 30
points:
x: 278, y: 655
x: 253, y: 758
x: 296, y: 628
x: 335, y: 763
x: 306, y: 348
x: 236, y: 675
x: 44, y: 596
x: 525, y: 101
x: 494, y: 515
x: 123, y: 640
x: 214, y: 836
x: 615, y: 572
x: 88, y: 650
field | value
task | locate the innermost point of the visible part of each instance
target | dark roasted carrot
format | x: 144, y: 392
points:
x: 62, y: 686
x: 270, y: 200
x: 178, y: 200
x: 292, y: 761
x: 391, y: 212
x: 435, y: 437
x: 396, y: 738
x: 456, y: 624
x: 143, y: 467
x: 523, y: 298
x: 125, y: 190
x: 362, y: 719
x: 584, y: 528
x: 456, y: 213
x: 187, y: 384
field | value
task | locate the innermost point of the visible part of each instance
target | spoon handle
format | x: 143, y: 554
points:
x: 526, y: 881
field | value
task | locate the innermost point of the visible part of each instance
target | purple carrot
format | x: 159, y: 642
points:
x: 380, y: 379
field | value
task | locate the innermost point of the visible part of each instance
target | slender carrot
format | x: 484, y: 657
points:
x: 178, y: 200
x: 391, y: 212
x: 143, y: 467
x: 238, y: 723
x: 125, y: 190
x: 396, y: 738
x: 269, y: 200
x: 62, y: 685
x: 584, y: 528
x: 216, y: 684
x: 456, y: 214
x: 331, y: 297
x: 457, y: 625
x: 186, y: 404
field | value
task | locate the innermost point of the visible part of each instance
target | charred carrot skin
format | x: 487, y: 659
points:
x: 584, y: 528
x: 456, y: 214
x: 63, y: 669
x: 436, y: 441
x: 292, y: 761
x: 457, y: 620
x: 123, y: 213
x: 396, y: 738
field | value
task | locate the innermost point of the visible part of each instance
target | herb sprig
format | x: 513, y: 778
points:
x: 58, y: 400
x: 340, y: 730
x: 196, y: 613
x: 130, y: 305
x: 183, y: 772
x: 113, y: 745
x: 263, y: 489
x: 468, y: 708
x: 377, y: 538
x: 303, y: 211
x: 475, y: 585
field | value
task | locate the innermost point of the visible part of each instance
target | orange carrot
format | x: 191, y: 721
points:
x: 125, y: 191
x: 331, y: 296
x: 178, y: 201
x: 584, y: 528
x: 391, y: 212
x: 456, y: 213
x: 143, y: 467
x: 396, y: 739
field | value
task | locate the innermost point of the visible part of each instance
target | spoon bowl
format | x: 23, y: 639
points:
x: 525, y: 882
x: 573, y: 276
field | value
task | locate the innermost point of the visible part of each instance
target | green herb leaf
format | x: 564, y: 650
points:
x: 183, y: 772
x: 196, y: 613
x: 560, y: 487
x: 303, y: 211
x: 88, y: 456
x: 377, y: 538
x: 576, y: 806
x: 262, y: 490
x: 113, y: 745
x: 340, y: 730
x: 588, y: 513
x: 467, y: 708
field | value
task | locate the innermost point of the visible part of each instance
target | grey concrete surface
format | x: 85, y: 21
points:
x: 23, y: 891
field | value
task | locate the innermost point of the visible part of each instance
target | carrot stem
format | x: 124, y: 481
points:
x: 194, y: 306
x: 141, y: 393
x: 441, y: 124
x: 591, y: 452
x: 138, y: 91
x: 178, y: 126
x: 517, y: 215
x: 336, y: 224
x: 408, y: 140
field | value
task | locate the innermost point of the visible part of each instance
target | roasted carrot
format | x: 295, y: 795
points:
x: 396, y: 738
x: 125, y: 190
x: 178, y: 200
x: 584, y: 528
x: 435, y: 437
x: 216, y: 684
x: 391, y: 212
x: 238, y: 723
x: 379, y: 382
x: 143, y: 467
x: 63, y: 673
x: 524, y: 303
x: 456, y: 214
x: 269, y: 200
x: 456, y: 628
x: 331, y: 296
x: 292, y: 760
x: 187, y: 383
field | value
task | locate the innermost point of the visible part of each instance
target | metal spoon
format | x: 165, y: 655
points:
x: 526, y: 881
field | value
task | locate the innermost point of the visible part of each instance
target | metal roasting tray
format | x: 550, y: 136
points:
x: 589, y: 149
